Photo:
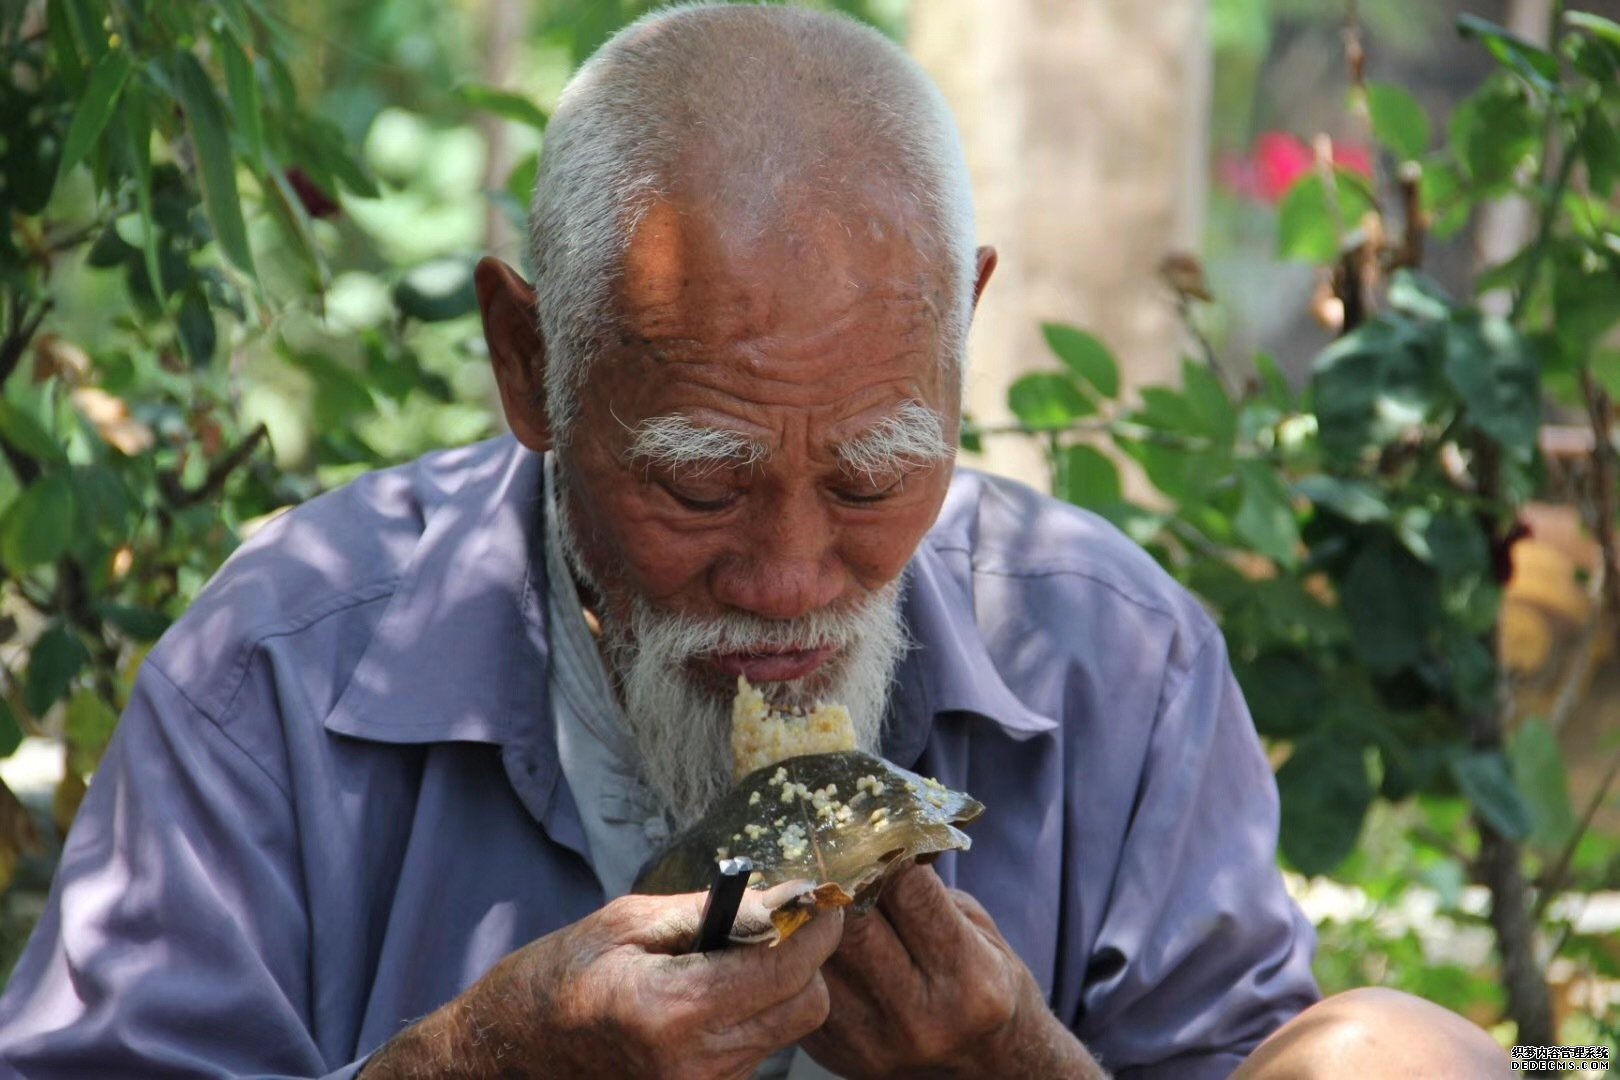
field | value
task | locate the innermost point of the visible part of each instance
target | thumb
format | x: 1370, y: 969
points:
x: 661, y: 924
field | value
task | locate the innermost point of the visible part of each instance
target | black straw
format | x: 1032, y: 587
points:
x: 725, y: 898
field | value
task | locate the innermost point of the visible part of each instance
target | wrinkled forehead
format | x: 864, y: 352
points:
x: 719, y: 269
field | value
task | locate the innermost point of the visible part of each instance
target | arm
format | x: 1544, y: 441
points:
x: 1201, y: 953
x: 174, y: 938
x: 175, y: 942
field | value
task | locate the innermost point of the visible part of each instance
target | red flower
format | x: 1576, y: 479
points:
x: 1278, y: 160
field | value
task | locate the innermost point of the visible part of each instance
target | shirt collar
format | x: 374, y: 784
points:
x: 460, y: 653
x: 949, y: 669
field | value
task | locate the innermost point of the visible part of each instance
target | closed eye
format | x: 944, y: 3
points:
x: 706, y: 503
x: 866, y: 496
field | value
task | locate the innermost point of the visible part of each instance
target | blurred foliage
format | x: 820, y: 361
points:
x: 1354, y: 539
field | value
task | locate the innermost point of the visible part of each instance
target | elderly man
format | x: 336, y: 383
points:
x: 378, y: 799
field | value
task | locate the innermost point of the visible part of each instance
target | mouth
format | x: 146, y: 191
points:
x: 772, y: 666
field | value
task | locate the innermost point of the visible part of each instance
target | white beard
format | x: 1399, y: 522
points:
x: 680, y: 723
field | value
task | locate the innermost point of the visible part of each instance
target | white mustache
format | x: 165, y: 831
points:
x: 686, y: 637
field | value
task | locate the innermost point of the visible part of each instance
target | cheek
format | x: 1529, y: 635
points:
x: 876, y: 545
x: 641, y: 549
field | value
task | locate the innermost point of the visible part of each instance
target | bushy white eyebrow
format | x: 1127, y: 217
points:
x: 911, y: 435
x: 679, y: 444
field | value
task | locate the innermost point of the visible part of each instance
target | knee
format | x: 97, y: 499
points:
x: 1376, y: 1032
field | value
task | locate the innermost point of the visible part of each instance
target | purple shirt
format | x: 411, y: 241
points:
x: 334, y: 800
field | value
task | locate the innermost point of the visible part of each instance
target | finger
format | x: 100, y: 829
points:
x: 857, y: 1030
x: 975, y: 913
x: 758, y: 977
x: 871, y: 957
x: 782, y: 1024
x: 928, y: 923
x: 657, y: 924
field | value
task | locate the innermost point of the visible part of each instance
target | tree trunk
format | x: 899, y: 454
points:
x: 1086, y: 133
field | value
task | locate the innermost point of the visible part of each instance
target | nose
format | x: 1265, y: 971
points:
x: 785, y: 563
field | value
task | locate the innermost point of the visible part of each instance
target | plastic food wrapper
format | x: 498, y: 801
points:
x: 823, y: 830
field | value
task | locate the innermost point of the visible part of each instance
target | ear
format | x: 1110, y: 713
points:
x: 986, y: 266
x: 517, y: 352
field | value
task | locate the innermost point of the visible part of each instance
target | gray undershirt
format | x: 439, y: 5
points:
x: 625, y: 822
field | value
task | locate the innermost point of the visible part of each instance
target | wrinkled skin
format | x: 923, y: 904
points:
x: 612, y: 996
x: 926, y: 984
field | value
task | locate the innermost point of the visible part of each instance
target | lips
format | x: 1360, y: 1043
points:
x: 768, y: 667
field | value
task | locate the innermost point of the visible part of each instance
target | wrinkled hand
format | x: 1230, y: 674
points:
x: 613, y: 995
x: 926, y: 984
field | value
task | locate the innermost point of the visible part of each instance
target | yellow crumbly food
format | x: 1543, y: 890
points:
x: 761, y: 735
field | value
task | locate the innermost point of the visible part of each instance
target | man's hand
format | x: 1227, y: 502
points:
x: 615, y: 995
x: 925, y: 983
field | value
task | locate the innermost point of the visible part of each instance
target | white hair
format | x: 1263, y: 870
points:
x: 795, y: 104
x: 679, y: 725
x: 913, y: 434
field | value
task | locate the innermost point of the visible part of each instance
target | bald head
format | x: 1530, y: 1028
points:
x: 775, y: 124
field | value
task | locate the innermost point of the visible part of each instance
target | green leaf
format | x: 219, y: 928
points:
x: 1419, y: 296
x: 1600, y: 146
x: 1085, y: 356
x: 971, y: 439
x: 1390, y: 601
x: 322, y: 148
x: 437, y: 291
x: 24, y: 433
x: 136, y: 135
x: 1375, y: 384
x: 57, y: 656
x: 502, y: 103
x: 1214, y: 415
x: 520, y: 181
x: 1445, y: 198
x: 11, y: 732
x: 1047, y: 400
x: 1325, y: 793
x: 1349, y: 499
x: 1606, y: 30
x: 103, y: 504
x: 243, y: 87
x: 1307, y: 228
x: 1274, y: 382
x: 1091, y: 478
x: 206, y: 119
x: 1398, y: 121
x: 1513, y: 52
x: 1286, y: 692
x: 294, y: 223
x: 1494, y: 131
x: 96, y: 105
x: 1484, y: 777
x: 340, y: 393
x: 142, y: 624
x: 1457, y: 547
x: 64, y: 50
x: 88, y: 726
x: 1265, y: 517
x: 1542, y: 780
x: 1495, y: 372
x: 38, y: 526
x: 195, y: 326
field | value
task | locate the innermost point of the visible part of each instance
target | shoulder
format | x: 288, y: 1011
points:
x: 321, y: 570
x: 1058, y: 569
